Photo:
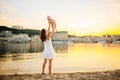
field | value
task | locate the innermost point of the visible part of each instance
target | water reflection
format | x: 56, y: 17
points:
x: 60, y: 47
x: 31, y: 47
x: 70, y: 57
x: 17, y: 56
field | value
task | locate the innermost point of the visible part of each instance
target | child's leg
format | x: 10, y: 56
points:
x: 54, y: 24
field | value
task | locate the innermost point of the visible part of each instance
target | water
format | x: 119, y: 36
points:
x: 78, y: 57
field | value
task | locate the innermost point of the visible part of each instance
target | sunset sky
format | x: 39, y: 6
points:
x: 78, y: 17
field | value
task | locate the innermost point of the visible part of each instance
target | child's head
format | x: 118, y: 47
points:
x: 43, y: 35
x: 48, y: 17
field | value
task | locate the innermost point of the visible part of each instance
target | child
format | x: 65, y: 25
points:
x: 48, y: 52
x: 51, y: 21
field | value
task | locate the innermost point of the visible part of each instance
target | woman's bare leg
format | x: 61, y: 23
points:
x: 43, y: 66
x: 50, y: 65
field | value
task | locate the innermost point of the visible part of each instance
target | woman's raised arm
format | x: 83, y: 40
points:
x: 53, y: 30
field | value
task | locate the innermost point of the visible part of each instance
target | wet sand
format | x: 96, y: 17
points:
x: 98, y: 75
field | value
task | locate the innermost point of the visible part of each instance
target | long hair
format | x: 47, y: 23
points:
x: 43, y: 36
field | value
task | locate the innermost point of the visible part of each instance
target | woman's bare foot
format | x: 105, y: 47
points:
x: 43, y: 73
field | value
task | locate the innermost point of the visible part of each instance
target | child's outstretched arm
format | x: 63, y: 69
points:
x: 53, y: 28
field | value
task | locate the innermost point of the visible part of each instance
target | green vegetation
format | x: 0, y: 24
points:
x: 71, y: 35
x: 30, y: 32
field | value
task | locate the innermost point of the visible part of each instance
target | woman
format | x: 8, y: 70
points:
x: 48, y: 52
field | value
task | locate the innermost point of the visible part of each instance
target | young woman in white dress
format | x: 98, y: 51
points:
x: 48, y: 52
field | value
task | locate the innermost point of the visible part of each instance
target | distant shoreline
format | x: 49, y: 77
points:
x: 98, y: 75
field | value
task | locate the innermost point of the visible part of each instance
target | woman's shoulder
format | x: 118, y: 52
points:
x: 49, y: 36
x: 48, y: 39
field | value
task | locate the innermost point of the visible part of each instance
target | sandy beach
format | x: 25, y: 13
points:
x: 98, y: 75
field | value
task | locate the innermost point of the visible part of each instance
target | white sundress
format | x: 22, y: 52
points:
x: 48, y: 51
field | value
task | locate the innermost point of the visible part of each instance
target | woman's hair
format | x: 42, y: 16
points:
x: 43, y: 36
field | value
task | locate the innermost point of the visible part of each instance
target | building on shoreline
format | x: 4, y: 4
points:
x: 84, y: 39
x: 60, y: 36
x: 107, y: 38
x: 96, y: 39
x: 23, y: 43
x: 6, y: 34
x: 17, y: 27
x: 115, y: 37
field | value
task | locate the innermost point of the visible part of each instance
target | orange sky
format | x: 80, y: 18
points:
x: 78, y: 17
